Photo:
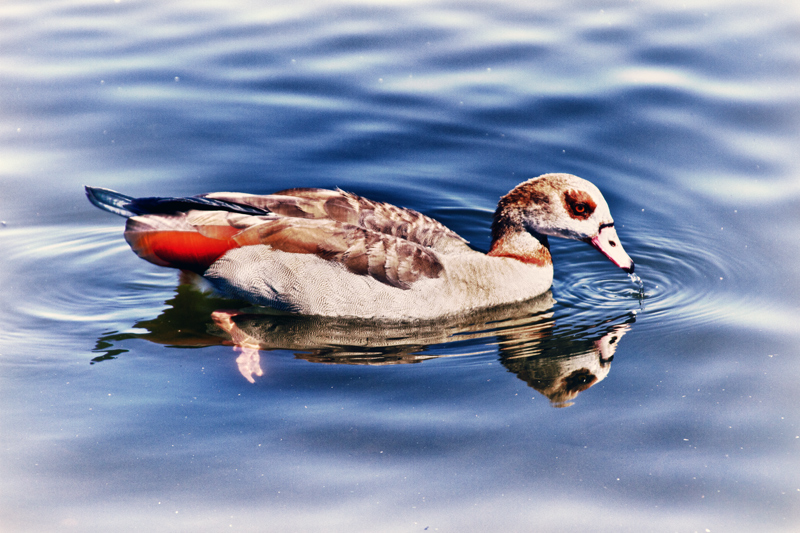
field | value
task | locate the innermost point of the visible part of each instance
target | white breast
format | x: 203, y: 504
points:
x: 307, y: 284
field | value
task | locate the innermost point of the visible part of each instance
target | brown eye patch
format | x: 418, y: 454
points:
x: 579, y: 204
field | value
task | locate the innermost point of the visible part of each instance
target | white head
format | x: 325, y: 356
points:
x: 562, y: 205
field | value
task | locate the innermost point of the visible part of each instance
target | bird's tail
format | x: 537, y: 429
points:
x: 127, y: 206
x: 110, y: 201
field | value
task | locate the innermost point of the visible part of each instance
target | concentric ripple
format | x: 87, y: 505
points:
x: 45, y: 297
x: 688, y: 277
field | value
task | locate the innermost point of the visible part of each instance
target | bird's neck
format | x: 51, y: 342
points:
x: 511, y: 239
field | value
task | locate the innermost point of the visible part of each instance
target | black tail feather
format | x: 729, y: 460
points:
x: 110, y: 201
x: 126, y: 206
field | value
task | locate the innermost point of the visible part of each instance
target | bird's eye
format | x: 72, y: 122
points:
x: 578, y: 204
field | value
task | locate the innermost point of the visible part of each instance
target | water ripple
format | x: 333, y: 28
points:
x: 689, y: 278
x: 82, y: 276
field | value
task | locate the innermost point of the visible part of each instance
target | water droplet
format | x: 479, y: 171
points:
x: 637, y: 280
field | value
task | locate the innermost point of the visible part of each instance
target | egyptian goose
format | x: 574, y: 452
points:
x: 332, y: 253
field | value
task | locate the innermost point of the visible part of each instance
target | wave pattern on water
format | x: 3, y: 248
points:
x: 684, y: 116
x: 77, y: 278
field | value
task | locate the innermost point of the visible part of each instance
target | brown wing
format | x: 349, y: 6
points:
x: 196, y: 239
x: 340, y: 206
x: 387, y: 258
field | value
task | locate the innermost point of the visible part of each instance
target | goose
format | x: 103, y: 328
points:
x: 332, y: 253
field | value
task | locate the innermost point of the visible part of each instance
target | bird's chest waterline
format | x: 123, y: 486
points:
x: 307, y: 284
x: 482, y: 281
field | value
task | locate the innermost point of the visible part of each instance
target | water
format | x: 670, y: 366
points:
x: 125, y: 406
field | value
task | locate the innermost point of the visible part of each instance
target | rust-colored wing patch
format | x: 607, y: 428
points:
x: 175, y: 241
x: 178, y: 249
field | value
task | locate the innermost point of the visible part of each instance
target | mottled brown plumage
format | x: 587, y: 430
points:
x: 344, y: 207
x: 387, y: 258
x: 391, y: 244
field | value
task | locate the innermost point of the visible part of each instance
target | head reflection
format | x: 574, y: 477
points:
x: 565, y: 363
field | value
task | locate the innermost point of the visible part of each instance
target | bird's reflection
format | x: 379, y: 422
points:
x: 558, y: 361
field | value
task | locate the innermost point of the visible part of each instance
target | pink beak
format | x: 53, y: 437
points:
x: 607, y: 243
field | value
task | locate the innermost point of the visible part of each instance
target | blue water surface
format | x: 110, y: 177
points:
x: 125, y: 407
